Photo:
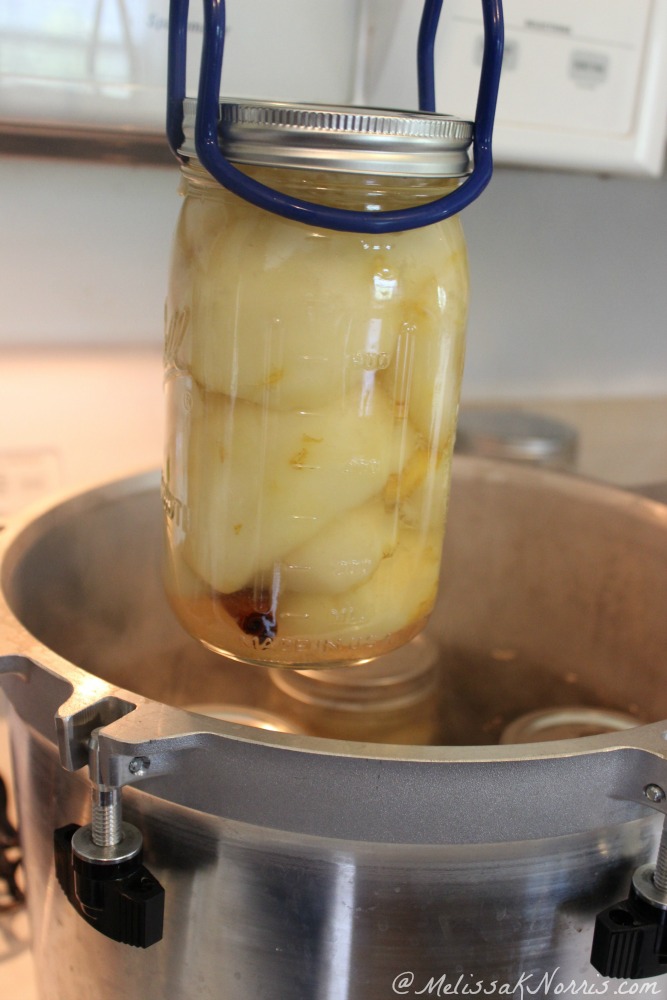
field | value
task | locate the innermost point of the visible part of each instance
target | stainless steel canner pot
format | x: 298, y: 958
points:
x: 307, y: 868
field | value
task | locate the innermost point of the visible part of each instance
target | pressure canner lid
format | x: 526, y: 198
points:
x: 343, y: 139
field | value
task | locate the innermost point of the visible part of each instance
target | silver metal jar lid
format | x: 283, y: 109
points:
x: 342, y: 139
x: 517, y: 436
x: 396, y: 680
x: 566, y: 723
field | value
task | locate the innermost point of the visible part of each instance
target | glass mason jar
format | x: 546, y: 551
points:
x: 392, y: 699
x: 312, y: 383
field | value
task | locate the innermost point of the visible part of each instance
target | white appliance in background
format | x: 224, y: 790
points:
x: 91, y: 64
x: 584, y: 85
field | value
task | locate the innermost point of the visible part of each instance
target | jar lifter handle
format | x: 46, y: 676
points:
x: 211, y: 157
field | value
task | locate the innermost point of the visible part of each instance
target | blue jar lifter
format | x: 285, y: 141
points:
x: 214, y: 161
x: 312, y: 390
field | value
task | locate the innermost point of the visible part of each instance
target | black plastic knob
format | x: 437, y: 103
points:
x: 121, y: 900
x: 630, y: 940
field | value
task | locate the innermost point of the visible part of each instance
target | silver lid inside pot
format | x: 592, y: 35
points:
x: 518, y: 436
x: 566, y: 723
x: 342, y: 139
x: 395, y: 680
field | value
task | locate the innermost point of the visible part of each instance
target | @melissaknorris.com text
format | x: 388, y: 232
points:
x: 528, y: 984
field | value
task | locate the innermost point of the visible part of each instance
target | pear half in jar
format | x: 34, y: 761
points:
x: 397, y: 598
x: 262, y: 483
x: 344, y: 554
x: 291, y: 318
x: 430, y: 348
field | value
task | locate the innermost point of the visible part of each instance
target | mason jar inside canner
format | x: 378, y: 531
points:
x: 312, y: 385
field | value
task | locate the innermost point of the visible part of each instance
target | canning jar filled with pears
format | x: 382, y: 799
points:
x: 312, y: 383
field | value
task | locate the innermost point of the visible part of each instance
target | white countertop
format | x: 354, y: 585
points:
x: 71, y: 418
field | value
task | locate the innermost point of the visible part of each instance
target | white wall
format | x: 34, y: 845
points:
x: 84, y: 251
x: 569, y: 286
x: 569, y: 272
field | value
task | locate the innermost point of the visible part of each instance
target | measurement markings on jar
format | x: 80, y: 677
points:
x: 359, y: 463
x: 347, y: 616
x: 371, y: 361
x: 174, y: 508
